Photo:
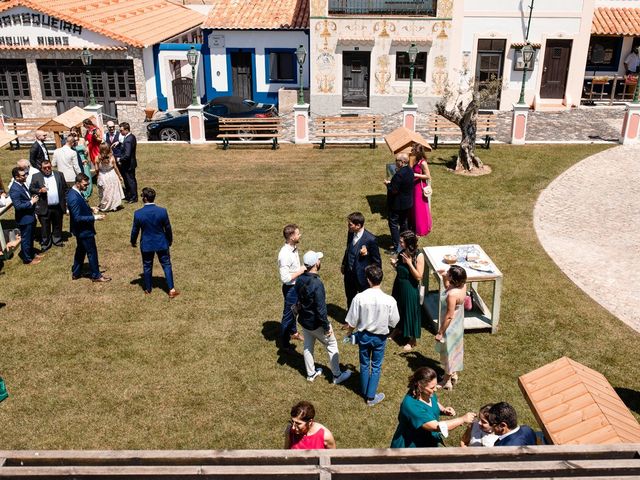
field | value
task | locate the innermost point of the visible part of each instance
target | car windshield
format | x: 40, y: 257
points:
x: 234, y: 104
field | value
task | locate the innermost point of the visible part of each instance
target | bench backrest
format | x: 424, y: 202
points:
x: 372, y: 123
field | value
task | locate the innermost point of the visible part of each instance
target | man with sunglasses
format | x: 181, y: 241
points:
x: 24, y: 205
x: 51, y: 189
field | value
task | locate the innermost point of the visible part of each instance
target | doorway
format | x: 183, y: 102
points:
x: 555, y: 68
x: 355, y: 79
x: 489, y: 69
x: 242, y: 74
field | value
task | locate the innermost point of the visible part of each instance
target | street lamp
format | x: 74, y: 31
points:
x: 192, y: 58
x: 413, y: 54
x: 87, y: 58
x: 527, y: 56
x: 301, y: 55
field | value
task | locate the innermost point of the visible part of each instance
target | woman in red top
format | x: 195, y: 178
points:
x: 303, y: 433
x: 93, y: 139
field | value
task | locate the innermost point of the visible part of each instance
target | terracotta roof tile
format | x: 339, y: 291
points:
x: 259, y: 15
x: 138, y: 23
x: 616, y: 21
x: 576, y: 405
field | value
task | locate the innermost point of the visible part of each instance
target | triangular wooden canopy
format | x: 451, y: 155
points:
x: 402, y: 139
x: 6, y: 137
x: 576, y: 405
x: 63, y: 122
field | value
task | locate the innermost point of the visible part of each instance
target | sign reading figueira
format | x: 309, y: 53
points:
x: 37, y: 20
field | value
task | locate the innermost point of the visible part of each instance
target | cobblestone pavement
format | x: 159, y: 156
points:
x: 588, y: 221
x: 583, y: 124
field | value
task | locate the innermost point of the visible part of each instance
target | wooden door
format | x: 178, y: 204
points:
x: 14, y: 86
x: 555, y: 68
x: 242, y: 74
x: 182, y: 92
x: 355, y: 79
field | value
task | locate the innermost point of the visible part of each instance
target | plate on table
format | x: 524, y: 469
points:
x: 481, y: 266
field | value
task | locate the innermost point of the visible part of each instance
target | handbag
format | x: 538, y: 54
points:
x: 3, y: 390
x: 427, y: 190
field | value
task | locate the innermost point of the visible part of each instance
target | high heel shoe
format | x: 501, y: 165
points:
x: 445, y: 386
x: 454, y: 378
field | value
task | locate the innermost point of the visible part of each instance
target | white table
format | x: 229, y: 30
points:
x: 480, y: 317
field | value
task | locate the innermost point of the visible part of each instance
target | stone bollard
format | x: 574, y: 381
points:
x: 519, y: 123
x: 409, y: 116
x: 96, y: 111
x: 196, y: 123
x: 631, y: 124
x: 301, y: 123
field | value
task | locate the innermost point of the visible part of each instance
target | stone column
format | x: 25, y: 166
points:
x: 301, y: 123
x: 96, y: 111
x: 409, y: 116
x: 196, y: 123
x: 631, y: 124
x: 519, y: 123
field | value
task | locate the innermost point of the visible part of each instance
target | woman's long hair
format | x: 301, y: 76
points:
x: 410, y: 243
x: 420, y: 377
x: 104, y: 157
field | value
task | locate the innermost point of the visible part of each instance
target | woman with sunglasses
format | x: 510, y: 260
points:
x: 303, y: 433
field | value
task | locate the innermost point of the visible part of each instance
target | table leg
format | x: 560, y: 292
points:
x: 495, y: 308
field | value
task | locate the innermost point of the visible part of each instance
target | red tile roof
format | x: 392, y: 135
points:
x: 616, y: 21
x: 259, y: 15
x: 576, y: 405
x: 138, y: 23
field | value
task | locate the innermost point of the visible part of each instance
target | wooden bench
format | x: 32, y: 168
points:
x: 439, y: 127
x: 365, y: 126
x: 245, y: 129
x: 24, y: 128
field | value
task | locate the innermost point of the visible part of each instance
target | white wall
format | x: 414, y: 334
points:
x: 149, y: 76
x: 257, y: 40
x: 165, y: 73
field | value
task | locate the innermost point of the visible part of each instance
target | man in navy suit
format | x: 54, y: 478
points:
x: 362, y: 251
x: 504, y: 421
x: 156, y: 238
x: 82, y: 226
x: 24, y: 205
x: 128, y: 163
x: 399, y: 199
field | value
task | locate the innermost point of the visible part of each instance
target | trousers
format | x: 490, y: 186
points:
x: 330, y: 343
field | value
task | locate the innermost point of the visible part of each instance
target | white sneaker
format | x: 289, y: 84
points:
x: 317, y: 373
x: 376, y: 400
x: 342, y: 377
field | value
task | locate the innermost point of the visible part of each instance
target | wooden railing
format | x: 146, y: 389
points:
x: 585, y: 462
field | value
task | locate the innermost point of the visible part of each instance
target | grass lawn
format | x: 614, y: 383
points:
x: 91, y: 366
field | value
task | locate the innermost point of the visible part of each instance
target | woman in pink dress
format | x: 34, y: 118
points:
x: 421, y: 211
x: 93, y: 139
x: 303, y: 433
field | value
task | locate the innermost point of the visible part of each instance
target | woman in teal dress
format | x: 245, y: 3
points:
x: 419, y: 422
x: 450, y: 337
x: 81, y: 148
x: 409, y: 270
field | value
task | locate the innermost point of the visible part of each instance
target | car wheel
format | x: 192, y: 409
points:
x: 169, y: 134
x: 245, y: 134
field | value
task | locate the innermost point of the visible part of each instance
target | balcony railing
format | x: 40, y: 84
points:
x: 383, y: 7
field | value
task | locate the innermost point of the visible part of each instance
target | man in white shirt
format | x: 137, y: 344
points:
x: 289, y: 269
x: 371, y: 315
x: 66, y: 160
x: 632, y: 61
x: 52, y: 191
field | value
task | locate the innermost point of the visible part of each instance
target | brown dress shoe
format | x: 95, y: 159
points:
x: 173, y: 293
x: 101, y: 279
x: 36, y: 260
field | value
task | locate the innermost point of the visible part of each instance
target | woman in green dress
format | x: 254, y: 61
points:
x: 419, y: 422
x: 83, y: 156
x: 409, y: 270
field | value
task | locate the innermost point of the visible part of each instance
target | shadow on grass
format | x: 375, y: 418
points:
x: 292, y: 358
x: 378, y: 204
x: 156, y: 282
x: 416, y: 360
x: 631, y: 398
x: 336, y: 312
x: 2, y: 304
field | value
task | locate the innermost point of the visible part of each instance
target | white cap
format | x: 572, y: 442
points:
x: 311, y: 258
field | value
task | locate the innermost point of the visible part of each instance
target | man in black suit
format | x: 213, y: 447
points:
x: 38, y: 151
x: 399, y: 199
x: 23, y: 203
x: 128, y: 163
x: 51, y: 189
x: 362, y: 251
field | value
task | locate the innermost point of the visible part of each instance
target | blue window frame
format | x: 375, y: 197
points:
x: 281, y: 65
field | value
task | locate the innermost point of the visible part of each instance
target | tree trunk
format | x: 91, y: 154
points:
x: 467, y: 158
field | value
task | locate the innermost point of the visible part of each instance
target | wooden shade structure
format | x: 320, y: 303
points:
x: 63, y: 122
x: 402, y: 139
x: 576, y: 405
x: 6, y: 137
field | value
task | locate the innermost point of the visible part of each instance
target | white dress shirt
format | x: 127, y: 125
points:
x: 373, y: 311
x: 357, y: 236
x: 288, y: 263
x: 53, y: 198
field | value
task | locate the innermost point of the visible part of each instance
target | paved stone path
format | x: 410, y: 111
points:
x: 588, y: 221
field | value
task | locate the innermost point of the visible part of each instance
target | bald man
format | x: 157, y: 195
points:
x: 38, y: 151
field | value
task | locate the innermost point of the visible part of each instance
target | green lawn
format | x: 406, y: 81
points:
x: 92, y: 366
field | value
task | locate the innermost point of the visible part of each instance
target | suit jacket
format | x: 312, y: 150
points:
x: 359, y: 262
x: 36, y: 155
x: 155, y: 226
x: 128, y: 158
x: 25, y: 211
x: 110, y: 140
x: 42, y: 207
x: 524, y: 436
x: 81, y: 216
x: 400, y: 190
